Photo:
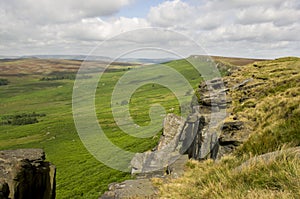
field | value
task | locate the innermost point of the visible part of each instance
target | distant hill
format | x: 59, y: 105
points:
x: 235, y: 61
x: 90, y: 58
x: 238, y: 61
x: 229, y: 60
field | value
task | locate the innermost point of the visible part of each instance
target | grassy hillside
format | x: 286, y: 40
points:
x: 45, y: 87
x: 270, y: 109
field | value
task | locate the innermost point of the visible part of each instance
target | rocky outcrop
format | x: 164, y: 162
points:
x: 203, y: 134
x: 154, y: 162
x: 196, y: 136
x: 212, y: 107
x: 25, y: 174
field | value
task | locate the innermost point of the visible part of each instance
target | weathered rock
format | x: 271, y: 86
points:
x: 206, y: 130
x: 212, y: 95
x: 215, y: 83
x: 214, y: 99
x: 173, y: 125
x: 231, y: 126
x: 269, y: 157
x: 191, y: 138
x: 229, y: 138
x: 176, y: 169
x: 228, y: 134
x: 141, y: 188
x: 25, y: 174
x: 152, y: 164
x: 210, y: 134
x: 242, y: 84
x: 166, y: 152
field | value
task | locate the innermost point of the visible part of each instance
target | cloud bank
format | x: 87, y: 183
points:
x: 257, y: 28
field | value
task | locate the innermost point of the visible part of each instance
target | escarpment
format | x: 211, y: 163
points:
x: 255, y: 109
x: 25, y: 174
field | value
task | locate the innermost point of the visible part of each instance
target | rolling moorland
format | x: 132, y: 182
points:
x: 36, y: 112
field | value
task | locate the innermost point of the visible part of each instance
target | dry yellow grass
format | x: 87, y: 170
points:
x: 278, y: 178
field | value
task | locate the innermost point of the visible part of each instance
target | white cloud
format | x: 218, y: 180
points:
x: 86, y: 31
x: 58, y: 11
x: 97, y: 29
x: 279, y: 16
x: 264, y: 32
x: 170, y: 13
x: 45, y: 24
x: 237, y: 28
x: 212, y: 5
x: 208, y: 21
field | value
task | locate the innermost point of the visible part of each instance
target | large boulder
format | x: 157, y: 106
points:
x: 25, y: 174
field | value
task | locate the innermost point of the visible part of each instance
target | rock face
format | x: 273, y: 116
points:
x: 197, y: 136
x: 24, y: 174
x: 154, y: 162
x: 212, y: 108
x: 203, y: 134
x: 192, y: 137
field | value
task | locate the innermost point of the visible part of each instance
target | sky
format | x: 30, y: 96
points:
x: 236, y: 28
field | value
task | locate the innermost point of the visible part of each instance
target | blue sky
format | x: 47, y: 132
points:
x: 248, y: 28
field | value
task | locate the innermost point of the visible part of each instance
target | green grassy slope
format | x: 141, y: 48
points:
x: 79, y: 174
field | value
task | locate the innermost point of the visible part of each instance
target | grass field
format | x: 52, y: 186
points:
x: 79, y: 174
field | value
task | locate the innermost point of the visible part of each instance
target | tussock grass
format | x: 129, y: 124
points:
x: 275, y: 118
x: 279, y: 178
